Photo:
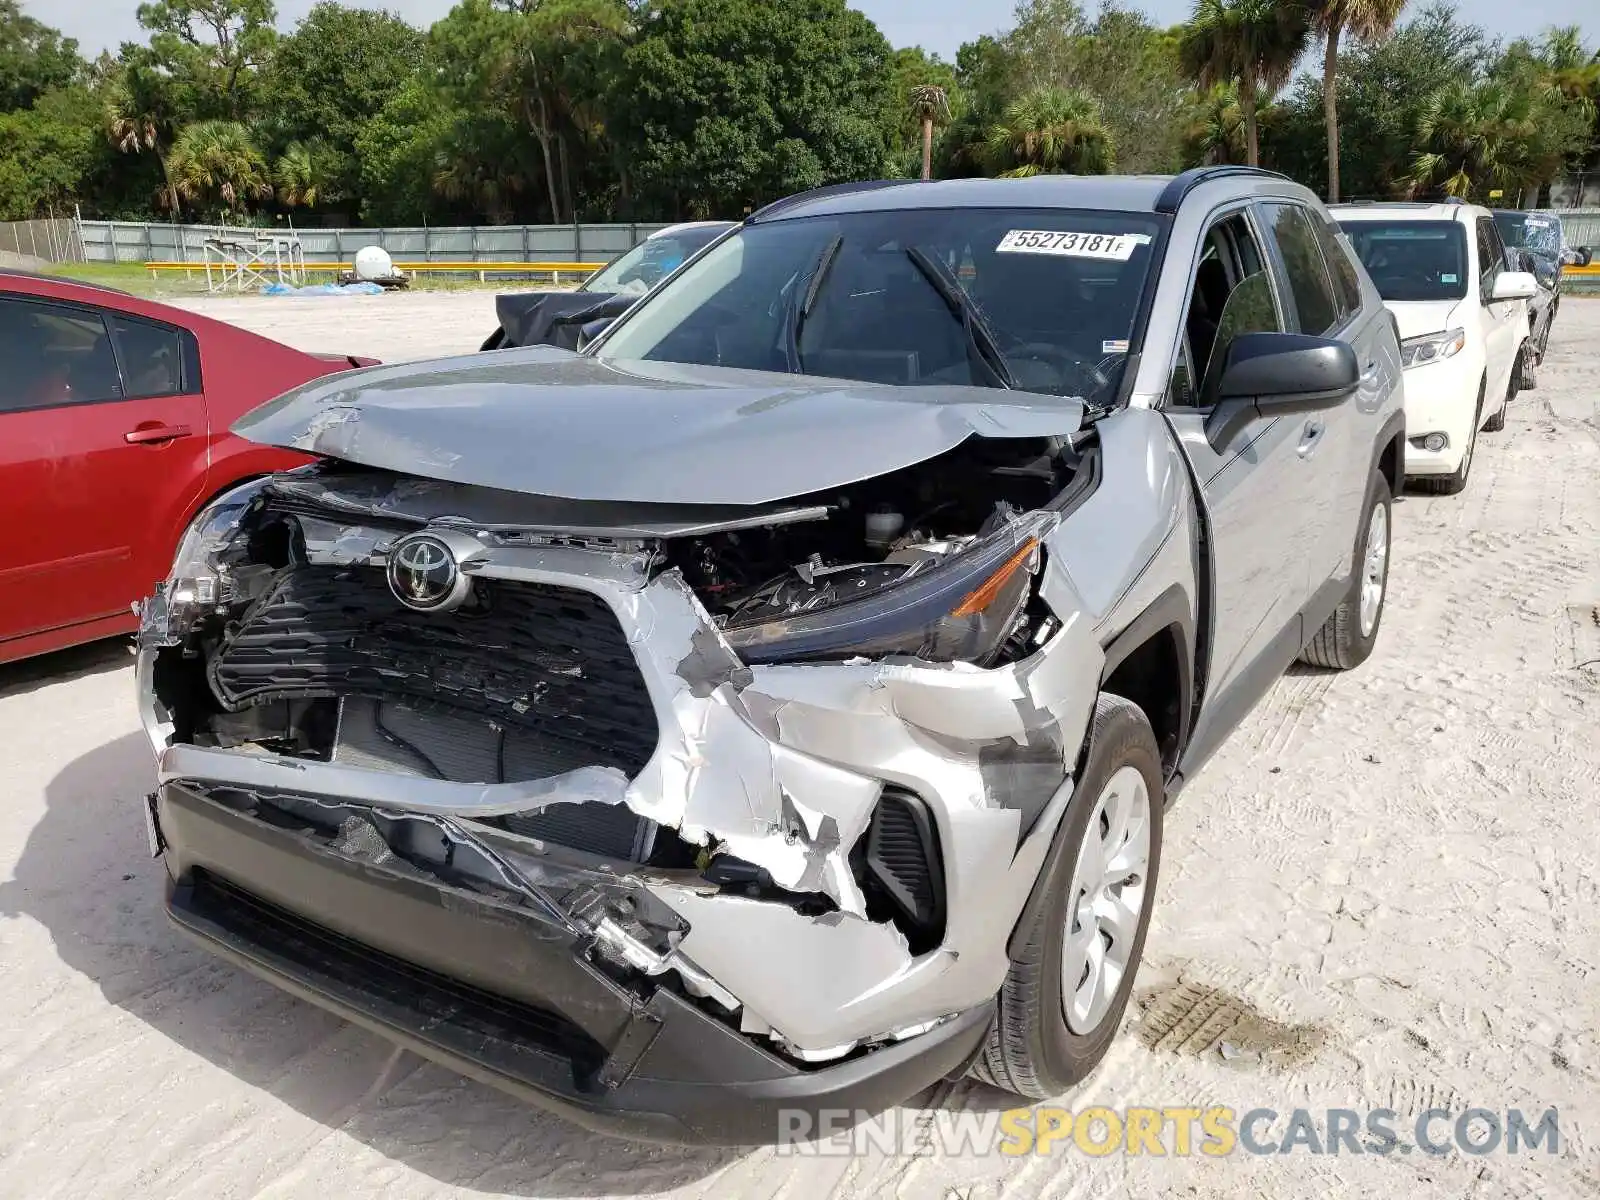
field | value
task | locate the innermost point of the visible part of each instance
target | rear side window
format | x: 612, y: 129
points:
x: 1302, y: 261
x: 54, y: 356
x: 1346, y: 283
x: 152, y: 357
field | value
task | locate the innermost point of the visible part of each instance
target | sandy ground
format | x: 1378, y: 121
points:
x: 1385, y: 892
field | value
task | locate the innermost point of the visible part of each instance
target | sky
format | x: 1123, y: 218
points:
x: 936, y: 25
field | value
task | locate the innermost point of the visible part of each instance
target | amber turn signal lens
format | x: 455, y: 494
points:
x: 981, y: 597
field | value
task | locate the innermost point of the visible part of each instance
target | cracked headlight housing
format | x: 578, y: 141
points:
x: 200, y: 581
x: 1432, y: 347
x: 963, y: 609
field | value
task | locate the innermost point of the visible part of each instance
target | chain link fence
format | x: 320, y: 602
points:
x: 48, y: 241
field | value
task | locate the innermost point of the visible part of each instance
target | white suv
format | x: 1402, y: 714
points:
x: 1463, y: 323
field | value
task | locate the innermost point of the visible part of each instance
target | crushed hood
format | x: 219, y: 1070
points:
x: 553, y: 423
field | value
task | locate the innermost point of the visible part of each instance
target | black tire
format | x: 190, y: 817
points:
x: 1456, y: 481
x: 1527, y: 378
x: 1031, y: 1051
x: 1341, y: 644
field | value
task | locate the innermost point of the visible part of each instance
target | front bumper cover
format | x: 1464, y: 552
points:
x: 503, y: 994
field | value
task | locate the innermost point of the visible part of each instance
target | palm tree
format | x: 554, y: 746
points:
x: 1216, y: 134
x: 1051, y: 131
x: 1568, y: 65
x: 1475, y: 138
x: 1364, y: 19
x: 1253, y: 44
x: 297, y: 176
x: 929, y: 105
x: 137, y: 121
x: 217, y: 161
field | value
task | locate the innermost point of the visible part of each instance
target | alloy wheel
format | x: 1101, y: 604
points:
x: 1110, y: 886
x: 1375, y: 566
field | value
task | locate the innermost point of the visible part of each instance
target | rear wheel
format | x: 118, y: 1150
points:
x: 1347, y: 637
x: 1065, y: 994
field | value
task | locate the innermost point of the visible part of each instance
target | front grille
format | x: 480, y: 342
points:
x: 318, y: 953
x: 550, y: 664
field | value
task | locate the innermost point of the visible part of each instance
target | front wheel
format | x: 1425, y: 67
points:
x: 1066, y: 991
x: 1347, y: 637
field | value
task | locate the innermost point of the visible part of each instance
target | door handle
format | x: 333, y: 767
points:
x: 147, y: 435
x: 1310, y: 438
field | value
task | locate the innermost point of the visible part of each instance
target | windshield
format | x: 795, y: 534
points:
x: 651, y: 261
x: 1538, y: 234
x: 1412, y: 260
x: 1044, y: 300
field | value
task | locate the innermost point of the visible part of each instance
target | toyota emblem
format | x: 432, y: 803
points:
x: 424, y: 575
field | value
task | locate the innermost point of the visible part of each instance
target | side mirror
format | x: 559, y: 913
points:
x: 1514, y: 285
x: 1585, y: 256
x: 1266, y: 375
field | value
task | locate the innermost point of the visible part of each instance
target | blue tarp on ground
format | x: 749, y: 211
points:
x: 321, y: 289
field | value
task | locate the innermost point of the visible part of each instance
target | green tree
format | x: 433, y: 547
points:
x: 139, y: 117
x: 330, y: 78
x: 1253, y: 44
x: 1052, y: 131
x: 398, y: 153
x: 1132, y: 69
x: 721, y: 105
x: 1215, y: 133
x: 46, y: 152
x: 1494, y: 135
x: 34, y: 58
x: 212, y: 50
x: 300, y: 176
x: 1364, y: 19
x: 216, y: 164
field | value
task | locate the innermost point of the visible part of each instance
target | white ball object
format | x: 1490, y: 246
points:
x: 373, y: 262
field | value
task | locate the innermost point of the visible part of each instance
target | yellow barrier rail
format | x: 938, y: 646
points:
x: 481, y: 269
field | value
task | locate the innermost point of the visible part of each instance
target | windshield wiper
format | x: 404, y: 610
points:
x: 799, y: 311
x: 980, y: 338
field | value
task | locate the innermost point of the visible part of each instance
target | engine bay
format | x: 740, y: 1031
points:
x: 875, y: 535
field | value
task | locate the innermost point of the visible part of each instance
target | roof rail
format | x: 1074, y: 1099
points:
x: 822, y: 193
x: 1172, y: 195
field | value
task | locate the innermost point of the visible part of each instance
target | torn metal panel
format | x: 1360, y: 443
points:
x: 584, y: 428
x: 1095, y: 558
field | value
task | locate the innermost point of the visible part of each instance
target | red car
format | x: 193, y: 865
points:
x: 114, y: 416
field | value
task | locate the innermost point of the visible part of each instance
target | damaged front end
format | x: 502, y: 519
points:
x: 784, y: 774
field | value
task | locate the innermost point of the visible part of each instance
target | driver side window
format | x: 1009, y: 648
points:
x: 1231, y: 293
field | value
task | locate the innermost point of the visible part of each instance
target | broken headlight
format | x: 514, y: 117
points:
x: 961, y: 610
x: 200, y: 580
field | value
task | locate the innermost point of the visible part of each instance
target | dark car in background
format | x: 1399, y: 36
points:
x: 559, y: 318
x: 1537, y: 240
x: 114, y: 415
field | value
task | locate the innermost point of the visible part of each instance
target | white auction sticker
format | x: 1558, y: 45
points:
x: 1118, y: 247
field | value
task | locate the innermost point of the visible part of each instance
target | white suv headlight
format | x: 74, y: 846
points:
x: 1431, y: 347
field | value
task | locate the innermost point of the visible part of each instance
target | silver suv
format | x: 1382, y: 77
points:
x: 773, y: 707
